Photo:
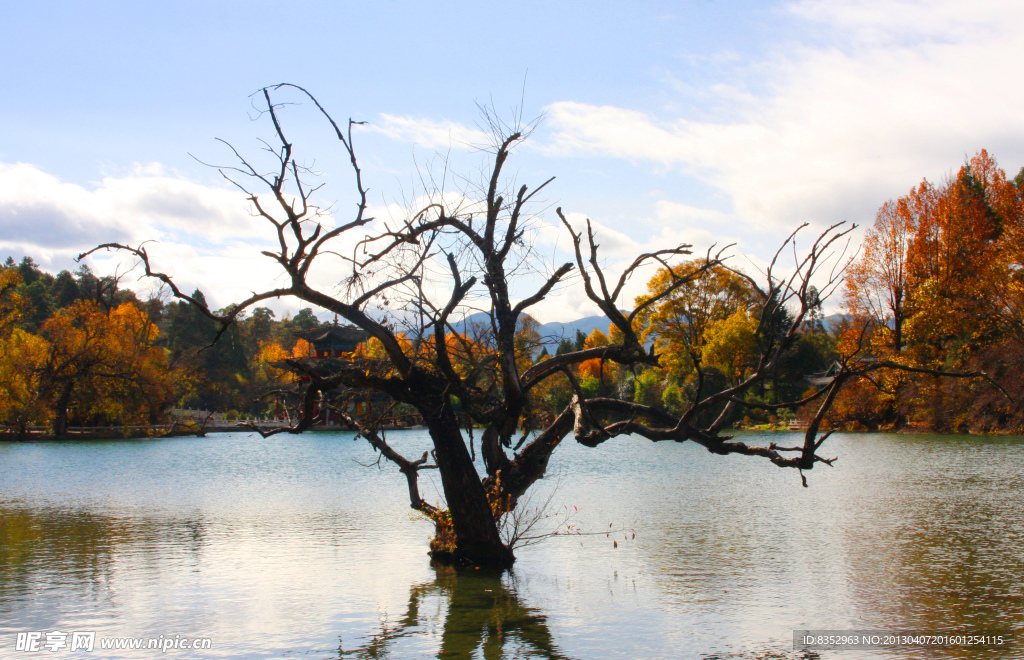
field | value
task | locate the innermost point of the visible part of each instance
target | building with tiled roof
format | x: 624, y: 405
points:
x: 333, y: 341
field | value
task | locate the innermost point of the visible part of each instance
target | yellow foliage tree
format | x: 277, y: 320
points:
x: 22, y: 355
x: 678, y: 323
x: 87, y: 365
x: 593, y: 368
x: 132, y: 383
x: 731, y: 345
x: 12, y: 304
x: 270, y: 352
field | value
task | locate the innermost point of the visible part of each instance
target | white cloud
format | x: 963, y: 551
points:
x: 178, y: 205
x: 430, y: 133
x: 36, y: 208
x: 905, y: 90
x: 203, y: 235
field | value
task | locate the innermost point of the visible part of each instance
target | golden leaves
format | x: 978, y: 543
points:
x: 107, y: 360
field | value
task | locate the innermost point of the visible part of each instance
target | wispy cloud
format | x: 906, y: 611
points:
x: 903, y: 90
x: 430, y: 133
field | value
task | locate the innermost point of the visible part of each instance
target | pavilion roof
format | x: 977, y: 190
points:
x: 340, y: 333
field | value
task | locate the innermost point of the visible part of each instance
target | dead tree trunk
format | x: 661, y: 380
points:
x: 476, y: 537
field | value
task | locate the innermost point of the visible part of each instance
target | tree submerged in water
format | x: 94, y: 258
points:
x: 410, y: 285
x: 484, y: 614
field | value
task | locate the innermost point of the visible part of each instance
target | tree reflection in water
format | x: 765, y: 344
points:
x: 484, y: 618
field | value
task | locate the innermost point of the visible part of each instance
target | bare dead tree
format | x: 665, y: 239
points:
x: 479, y: 248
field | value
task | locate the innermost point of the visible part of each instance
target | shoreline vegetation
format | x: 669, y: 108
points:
x: 156, y: 431
x: 937, y: 286
x: 159, y: 431
x: 780, y: 427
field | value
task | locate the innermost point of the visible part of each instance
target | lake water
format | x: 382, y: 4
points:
x: 301, y: 547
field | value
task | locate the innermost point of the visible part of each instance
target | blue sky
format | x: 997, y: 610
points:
x: 696, y: 121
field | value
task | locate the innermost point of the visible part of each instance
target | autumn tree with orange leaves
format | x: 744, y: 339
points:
x: 936, y: 286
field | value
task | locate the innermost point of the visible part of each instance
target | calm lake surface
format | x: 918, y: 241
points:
x: 300, y: 547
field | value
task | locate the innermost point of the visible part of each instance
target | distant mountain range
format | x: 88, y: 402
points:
x: 558, y: 330
x: 549, y: 332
